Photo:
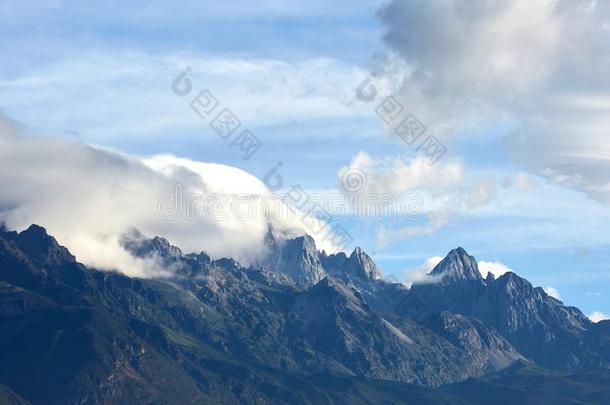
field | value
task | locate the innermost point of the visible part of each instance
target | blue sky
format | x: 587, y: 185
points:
x: 526, y: 144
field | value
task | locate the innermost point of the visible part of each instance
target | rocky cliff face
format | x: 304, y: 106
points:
x: 300, y: 260
x: 297, y: 258
x: 358, y: 265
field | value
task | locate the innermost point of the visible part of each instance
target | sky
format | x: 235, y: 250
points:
x: 515, y: 93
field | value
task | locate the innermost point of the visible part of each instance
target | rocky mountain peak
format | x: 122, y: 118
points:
x: 362, y: 265
x: 300, y: 259
x: 331, y: 295
x: 297, y: 258
x: 136, y: 243
x: 40, y: 247
x: 158, y: 248
x: 457, y: 265
x: 306, y: 243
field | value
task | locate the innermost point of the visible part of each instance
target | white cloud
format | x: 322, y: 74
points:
x: 597, y: 316
x: 440, y: 207
x: 476, y: 48
x: 552, y: 292
x: 433, y: 224
x: 397, y: 176
x: 87, y: 197
x: 540, y: 66
x: 495, y: 268
x: 427, y: 196
x: 419, y: 275
x: 593, y: 295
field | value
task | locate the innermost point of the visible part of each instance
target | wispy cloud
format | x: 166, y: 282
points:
x: 441, y: 207
x: 104, y: 95
x: 495, y: 268
x: 419, y: 274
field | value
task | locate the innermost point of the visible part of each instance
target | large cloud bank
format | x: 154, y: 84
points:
x: 88, y: 197
x: 540, y: 67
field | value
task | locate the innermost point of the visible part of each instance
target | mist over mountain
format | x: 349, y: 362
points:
x: 302, y: 326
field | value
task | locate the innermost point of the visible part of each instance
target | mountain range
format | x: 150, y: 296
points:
x: 296, y: 326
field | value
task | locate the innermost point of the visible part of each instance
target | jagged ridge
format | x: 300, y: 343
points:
x: 224, y: 331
